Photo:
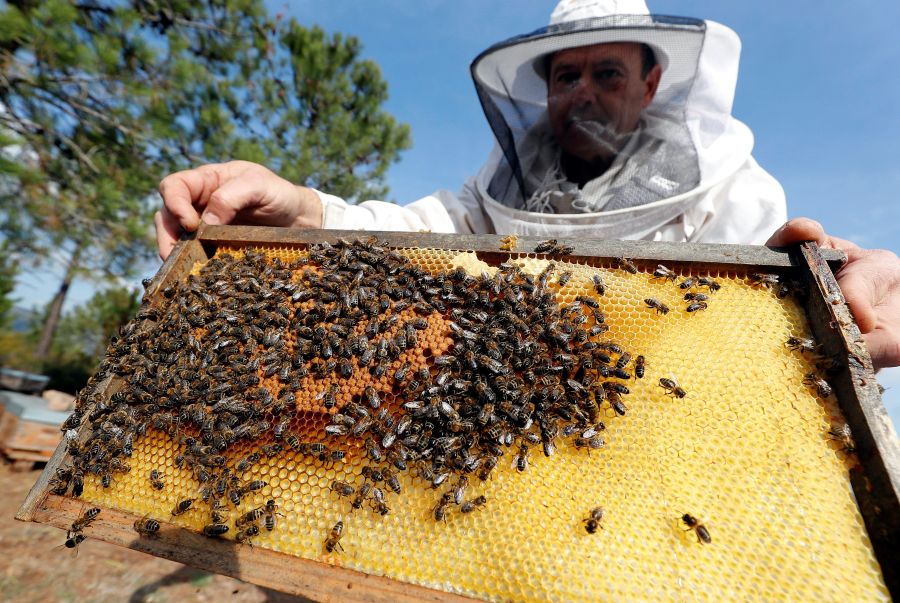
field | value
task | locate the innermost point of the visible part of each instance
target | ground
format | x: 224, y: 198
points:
x: 36, y: 568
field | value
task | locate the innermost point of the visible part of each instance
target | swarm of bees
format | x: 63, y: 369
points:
x: 525, y: 372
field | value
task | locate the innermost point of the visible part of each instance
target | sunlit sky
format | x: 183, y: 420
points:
x: 817, y: 86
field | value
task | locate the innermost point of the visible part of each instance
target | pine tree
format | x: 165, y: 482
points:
x: 100, y: 99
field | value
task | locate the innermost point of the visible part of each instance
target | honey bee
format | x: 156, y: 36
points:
x: 460, y: 489
x: 822, y: 387
x: 337, y: 430
x: 696, y: 306
x: 72, y: 541
x: 86, y: 519
x: 372, y: 450
x: 802, y: 344
x: 342, y: 488
x: 345, y: 369
x: 765, y: 280
x: 440, y: 509
x: 592, y: 523
x: 616, y: 403
x: 639, y: 366
x: 664, y: 273
x: 564, y: 278
x: 545, y: 246
x: 709, y: 283
x: 626, y: 264
x: 156, y: 480
x: 521, y: 460
x: 328, y: 396
x: 378, y: 504
x: 271, y: 511
x: 672, y: 388
x: 146, y: 526
x: 361, y: 495
x: 842, y: 434
x: 334, y: 538
x: 599, y: 285
x: 183, y: 506
x: 471, y: 505
x: 372, y: 397
x: 281, y: 428
x: 623, y: 360
x: 214, y: 530
x: 248, y: 461
x: 560, y: 250
x: 401, y: 372
x: 700, y: 530
x: 271, y: 450
x: 390, y: 478
x: 657, y: 305
x: 249, y: 517
x: 594, y: 443
x: 698, y: 297
x: 245, y: 535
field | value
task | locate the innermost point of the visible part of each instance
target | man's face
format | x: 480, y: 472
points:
x: 595, y: 95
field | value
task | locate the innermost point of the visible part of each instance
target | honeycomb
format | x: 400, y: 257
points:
x: 747, y: 451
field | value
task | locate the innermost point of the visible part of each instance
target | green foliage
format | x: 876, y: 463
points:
x: 8, y: 269
x: 102, y: 99
x: 83, y: 336
x: 17, y: 352
x: 85, y: 331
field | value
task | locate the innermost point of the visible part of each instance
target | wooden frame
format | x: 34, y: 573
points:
x: 876, y: 481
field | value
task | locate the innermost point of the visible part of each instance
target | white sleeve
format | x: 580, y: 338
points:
x: 442, y: 211
x: 745, y: 209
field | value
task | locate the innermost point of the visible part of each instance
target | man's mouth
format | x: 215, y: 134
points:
x: 600, y: 134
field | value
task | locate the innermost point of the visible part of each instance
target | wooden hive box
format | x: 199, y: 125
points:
x: 29, y: 431
x: 748, y: 449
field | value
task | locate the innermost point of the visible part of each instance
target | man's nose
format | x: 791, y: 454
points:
x: 582, y: 93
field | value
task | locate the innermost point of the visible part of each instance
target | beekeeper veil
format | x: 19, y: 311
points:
x: 675, y: 146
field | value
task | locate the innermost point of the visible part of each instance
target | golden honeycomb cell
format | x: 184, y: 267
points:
x: 746, y: 451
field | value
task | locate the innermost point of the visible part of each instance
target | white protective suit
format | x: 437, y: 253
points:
x: 735, y: 200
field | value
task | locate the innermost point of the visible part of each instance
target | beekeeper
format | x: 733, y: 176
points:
x: 609, y: 123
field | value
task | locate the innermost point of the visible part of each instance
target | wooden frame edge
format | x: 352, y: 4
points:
x: 263, y: 567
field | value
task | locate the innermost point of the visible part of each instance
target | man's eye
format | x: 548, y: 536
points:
x: 607, y: 74
x: 567, y: 77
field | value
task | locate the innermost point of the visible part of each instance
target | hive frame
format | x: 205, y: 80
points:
x: 875, y: 481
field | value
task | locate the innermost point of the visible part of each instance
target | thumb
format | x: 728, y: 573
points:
x: 229, y: 199
x: 798, y: 230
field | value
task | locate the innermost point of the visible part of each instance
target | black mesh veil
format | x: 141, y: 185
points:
x: 655, y: 161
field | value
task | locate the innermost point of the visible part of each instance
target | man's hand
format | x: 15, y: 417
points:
x: 870, y: 281
x: 237, y: 192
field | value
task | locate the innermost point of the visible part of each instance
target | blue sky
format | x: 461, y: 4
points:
x: 818, y: 86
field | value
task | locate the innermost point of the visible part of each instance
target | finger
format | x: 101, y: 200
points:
x: 861, y: 296
x: 184, y: 192
x: 231, y: 198
x: 883, y: 348
x: 165, y: 238
x: 797, y: 230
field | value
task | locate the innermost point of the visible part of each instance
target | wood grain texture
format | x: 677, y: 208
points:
x: 744, y: 255
x: 259, y: 566
x: 877, y: 485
